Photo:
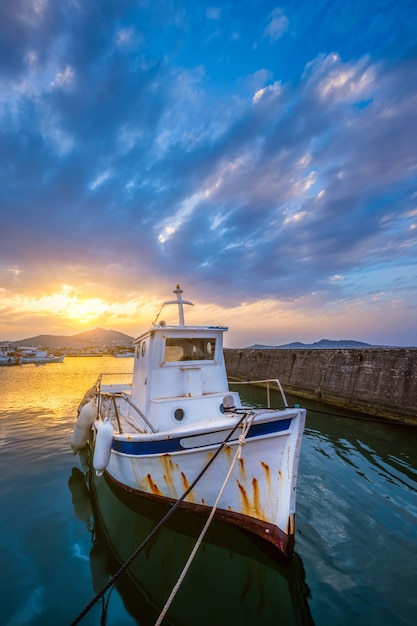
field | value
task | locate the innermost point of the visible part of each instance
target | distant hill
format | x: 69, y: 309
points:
x: 322, y: 344
x: 100, y: 338
x: 97, y: 337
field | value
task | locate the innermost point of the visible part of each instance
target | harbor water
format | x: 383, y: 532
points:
x: 63, y: 535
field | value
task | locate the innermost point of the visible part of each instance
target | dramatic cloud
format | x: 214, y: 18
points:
x: 262, y: 155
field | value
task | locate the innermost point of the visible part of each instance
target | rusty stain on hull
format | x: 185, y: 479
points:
x: 256, y: 501
x: 152, y: 486
x: 272, y: 536
x: 242, y: 465
x: 245, y: 500
x: 186, y: 486
x: 168, y: 474
x: 291, y: 524
x: 254, y: 507
x: 267, y: 471
x: 140, y: 484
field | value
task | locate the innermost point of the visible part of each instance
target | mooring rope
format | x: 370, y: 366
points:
x: 139, y: 549
x: 241, y: 443
x: 366, y: 418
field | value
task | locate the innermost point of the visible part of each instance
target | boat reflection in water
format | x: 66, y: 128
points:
x: 231, y: 580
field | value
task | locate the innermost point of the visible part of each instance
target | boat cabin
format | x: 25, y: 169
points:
x: 179, y: 374
x: 176, y: 367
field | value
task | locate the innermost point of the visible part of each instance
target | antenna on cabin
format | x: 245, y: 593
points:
x: 180, y: 302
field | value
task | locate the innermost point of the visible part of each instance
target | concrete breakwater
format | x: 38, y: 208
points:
x: 376, y: 381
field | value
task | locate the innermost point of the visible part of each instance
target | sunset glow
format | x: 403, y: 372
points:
x: 262, y: 156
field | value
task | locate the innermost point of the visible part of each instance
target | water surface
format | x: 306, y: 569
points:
x: 356, y: 534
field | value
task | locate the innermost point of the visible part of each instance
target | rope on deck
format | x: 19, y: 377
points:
x: 242, y: 440
x: 123, y: 568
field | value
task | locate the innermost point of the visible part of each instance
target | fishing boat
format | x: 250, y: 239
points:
x: 244, y: 583
x: 124, y: 355
x: 9, y: 356
x: 40, y: 357
x: 178, y: 435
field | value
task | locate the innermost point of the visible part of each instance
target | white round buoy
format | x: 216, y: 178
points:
x: 104, y: 440
x: 83, y: 425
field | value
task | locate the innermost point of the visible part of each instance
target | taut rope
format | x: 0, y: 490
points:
x: 242, y: 441
x: 139, y: 549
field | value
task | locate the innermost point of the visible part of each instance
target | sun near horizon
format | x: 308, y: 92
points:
x: 67, y: 311
x: 269, y: 321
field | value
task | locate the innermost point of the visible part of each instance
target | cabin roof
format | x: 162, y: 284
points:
x: 180, y: 330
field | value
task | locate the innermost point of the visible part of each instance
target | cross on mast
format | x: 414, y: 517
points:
x: 180, y: 302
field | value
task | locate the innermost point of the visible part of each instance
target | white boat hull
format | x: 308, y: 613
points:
x: 11, y: 361
x: 230, y: 570
x: 43, y: 360
x: 260, y: 493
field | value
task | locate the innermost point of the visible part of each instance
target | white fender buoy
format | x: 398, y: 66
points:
x: 83, y: 425
x: 104, y: 440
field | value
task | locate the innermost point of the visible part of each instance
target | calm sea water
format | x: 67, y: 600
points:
x: 356, y: 540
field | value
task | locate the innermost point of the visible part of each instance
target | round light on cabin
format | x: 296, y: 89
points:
x: 179, y: 414
x: 228, y: 402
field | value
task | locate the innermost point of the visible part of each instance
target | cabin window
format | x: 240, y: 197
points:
x: 195, y: 349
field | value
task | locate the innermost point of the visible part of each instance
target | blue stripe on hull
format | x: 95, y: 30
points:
x: 139, y: 448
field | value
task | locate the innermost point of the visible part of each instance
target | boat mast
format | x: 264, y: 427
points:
x: 180, y: 302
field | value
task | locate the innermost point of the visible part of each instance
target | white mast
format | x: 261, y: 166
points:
x: 180, y: 302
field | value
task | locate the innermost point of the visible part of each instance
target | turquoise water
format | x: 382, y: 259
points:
x: 356, y: 532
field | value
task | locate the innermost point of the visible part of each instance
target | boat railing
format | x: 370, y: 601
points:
x: 266, y: 382
x: 113, y: 374
x: 114, y: 391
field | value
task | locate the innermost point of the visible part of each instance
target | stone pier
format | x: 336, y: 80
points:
x: 378, y: 381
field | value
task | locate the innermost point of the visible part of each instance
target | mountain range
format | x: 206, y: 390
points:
x: 97, y: 338
x: 100, y: 338
x: 322, y: 344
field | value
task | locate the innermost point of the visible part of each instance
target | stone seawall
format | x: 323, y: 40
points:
x: 376, y: 381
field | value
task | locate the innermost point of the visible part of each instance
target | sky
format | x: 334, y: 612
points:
x: 261, y: 154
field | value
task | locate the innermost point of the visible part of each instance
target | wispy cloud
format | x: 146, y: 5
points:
x: 278, y: 24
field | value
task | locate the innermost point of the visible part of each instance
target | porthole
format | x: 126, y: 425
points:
x: 143, y: 348
x: 179, y: 414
